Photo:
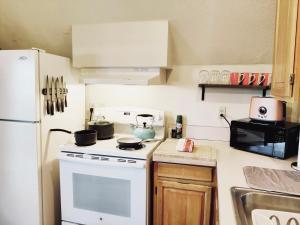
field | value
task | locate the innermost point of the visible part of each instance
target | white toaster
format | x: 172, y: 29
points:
x: 267, y: 109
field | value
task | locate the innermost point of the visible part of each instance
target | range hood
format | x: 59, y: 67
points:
x: 128, y: 76
x: 122, y: 53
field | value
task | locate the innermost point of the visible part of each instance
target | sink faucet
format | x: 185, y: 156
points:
x: 276, y: 219
x: 292, y: 219
x: 289, y: 222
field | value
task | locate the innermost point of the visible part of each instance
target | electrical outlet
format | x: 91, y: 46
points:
x: 222, y: 110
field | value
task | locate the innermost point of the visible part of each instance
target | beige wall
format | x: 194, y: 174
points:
x: 203, y: 31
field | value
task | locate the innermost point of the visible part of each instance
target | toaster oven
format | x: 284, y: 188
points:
x: 278, y: 140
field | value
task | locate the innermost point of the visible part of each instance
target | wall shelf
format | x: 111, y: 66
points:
x: 262, y: 88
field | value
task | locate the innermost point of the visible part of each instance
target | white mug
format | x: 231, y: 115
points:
x: 203, y: 76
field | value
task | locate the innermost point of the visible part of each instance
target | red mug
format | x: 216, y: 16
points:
x: 253, y: 78
x: 247, y: 78
x: 262, y: 79
x: 243, y: 79
x: 234, y: 78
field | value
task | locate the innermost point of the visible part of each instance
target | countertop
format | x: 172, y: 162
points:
x: 202, y: 155
x: 230, y: 163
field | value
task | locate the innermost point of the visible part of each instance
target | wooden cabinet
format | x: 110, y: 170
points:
x: 182, y: 204
x: 286, y: 64
x: 121, y: 44
x: 284, y: 48
x: 182, y: 194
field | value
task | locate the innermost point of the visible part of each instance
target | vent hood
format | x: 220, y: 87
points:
x: 129, y: 76
x: 122, y: 53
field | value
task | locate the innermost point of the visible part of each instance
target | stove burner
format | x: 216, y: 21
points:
x: 138, y: 147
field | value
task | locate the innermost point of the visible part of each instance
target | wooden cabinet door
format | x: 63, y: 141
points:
x: 182, y: 204
x: 284, y: 48
x: 294, y: 115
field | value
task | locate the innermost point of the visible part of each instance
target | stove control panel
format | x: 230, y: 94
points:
x: 102, y: 160
x: 127, y: 115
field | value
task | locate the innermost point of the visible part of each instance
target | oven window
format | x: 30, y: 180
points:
x: 101, y: 194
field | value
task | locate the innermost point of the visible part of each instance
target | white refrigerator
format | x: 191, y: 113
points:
x: 29, y: 174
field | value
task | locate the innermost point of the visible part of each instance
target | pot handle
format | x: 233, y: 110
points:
x: 145, y: 115
x: 60, y: 130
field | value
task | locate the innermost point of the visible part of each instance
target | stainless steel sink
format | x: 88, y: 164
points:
x: 245, y: 200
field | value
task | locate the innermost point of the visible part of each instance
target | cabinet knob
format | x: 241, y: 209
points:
x: 292, y: 78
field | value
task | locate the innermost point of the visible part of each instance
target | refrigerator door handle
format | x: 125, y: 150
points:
x: 19, y: 121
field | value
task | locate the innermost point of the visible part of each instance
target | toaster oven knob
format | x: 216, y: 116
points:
x: 262, y: 110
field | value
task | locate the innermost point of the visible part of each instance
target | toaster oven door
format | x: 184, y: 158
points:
x: 258, y: 140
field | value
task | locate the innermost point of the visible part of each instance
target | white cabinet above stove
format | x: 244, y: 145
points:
x: 121, y: 44
x: 133, y: 52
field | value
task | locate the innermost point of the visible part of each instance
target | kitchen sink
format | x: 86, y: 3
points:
x: 246, y: 200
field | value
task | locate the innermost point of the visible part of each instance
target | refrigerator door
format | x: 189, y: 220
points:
x: 20, y: 202
x: 18, y: 85
x: 72, y: 119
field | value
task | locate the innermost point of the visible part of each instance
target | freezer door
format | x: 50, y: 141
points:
x: 18, y: 85
x: 19, y: 175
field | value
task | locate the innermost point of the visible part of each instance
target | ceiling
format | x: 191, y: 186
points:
x: 202, y: 31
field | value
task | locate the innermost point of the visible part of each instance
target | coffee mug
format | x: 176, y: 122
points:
x: 252, y: 79
x: 225, y: 77
x: 234, y: 78
x: 262, y: 79
x: 203, y: 77
x: 214, y: 76
x: 256, y: 75
x: 242, y: 78
x: 248, y: 78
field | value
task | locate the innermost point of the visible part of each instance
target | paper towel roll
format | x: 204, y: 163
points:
x: 298, y: 160
x: 296, y: 165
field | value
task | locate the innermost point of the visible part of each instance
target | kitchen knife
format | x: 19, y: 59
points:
x: 47, y: 96
x: 57, y: 93
x: 62, y: 98
x: 52, y: 96
x: 65, y: 94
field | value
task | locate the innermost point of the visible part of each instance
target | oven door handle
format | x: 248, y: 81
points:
x: 138, y: 164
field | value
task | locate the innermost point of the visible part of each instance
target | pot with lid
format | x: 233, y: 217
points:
x: 143, y: 130
x: 105, y: 129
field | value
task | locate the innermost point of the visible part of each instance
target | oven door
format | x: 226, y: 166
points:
x: 103, y: 192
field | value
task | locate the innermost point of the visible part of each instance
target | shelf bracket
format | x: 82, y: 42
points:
x: 203, y: 92
x: 263, y: 89
x: 264, y: 92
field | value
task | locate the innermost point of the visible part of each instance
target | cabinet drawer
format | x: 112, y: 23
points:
x: 184, y: 172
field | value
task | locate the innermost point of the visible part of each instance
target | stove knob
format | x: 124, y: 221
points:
x: 121, y: 160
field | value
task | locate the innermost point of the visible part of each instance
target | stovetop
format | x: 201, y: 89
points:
x: 110, y: 148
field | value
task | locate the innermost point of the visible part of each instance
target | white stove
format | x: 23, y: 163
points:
x: 102, y: 184
x: 110, y: 148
